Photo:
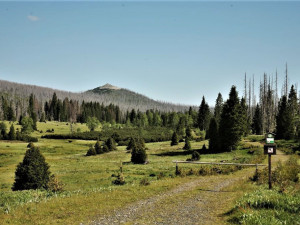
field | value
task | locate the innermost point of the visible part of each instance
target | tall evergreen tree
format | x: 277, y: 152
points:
x: 283, y: 120
x: 12, y: 133
x: 214, y: 142
x: 245, y: 120
x: 187, y: 145
x: 174, y: 140
x: 3, y: 133
x: 231, y: 126
x: 188, y: 133
x: 257, y: 121
x: 218, y: 108
x: 293, y: 110
x: 131, y: 144
x: 31, y: 111
x: 203, y: 115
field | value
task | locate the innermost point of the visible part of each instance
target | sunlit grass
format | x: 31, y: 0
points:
x: 88, y: 180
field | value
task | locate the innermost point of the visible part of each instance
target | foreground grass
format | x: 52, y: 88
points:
x: 88, y: 180
x: 263, y: 206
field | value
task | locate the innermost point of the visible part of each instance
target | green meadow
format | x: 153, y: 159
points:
x: 88, y: 189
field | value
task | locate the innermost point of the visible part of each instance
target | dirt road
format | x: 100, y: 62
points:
x: 201, y: 201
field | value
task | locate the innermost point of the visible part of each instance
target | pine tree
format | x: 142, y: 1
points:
x: 231, y: 126
x: 218, y: 108
x: 187, y: 146
x: 293, y: 110
x: 257, y: 121
x: 214, y: 141
x: 188, y: 133
x: 27, y: 125
x: 33, y: 172
x: 283, y: 120
x: 195, y: 156
x: 12, y: 133
x: 31, y: 111
x: 203, y: 115
x: 131, y: 144
x: 174, y: 140
x: 245, y: 120
x: 138, y: 155
x: 91, y: 151
x: 111, y: 145
x: 98, y: 148
x: 3, y: 134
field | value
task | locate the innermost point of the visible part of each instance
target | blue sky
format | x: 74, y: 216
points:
x: 169, y: 51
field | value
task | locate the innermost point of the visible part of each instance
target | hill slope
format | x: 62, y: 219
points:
x: 106, y: 94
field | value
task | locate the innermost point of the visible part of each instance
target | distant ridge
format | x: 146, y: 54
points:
x: 106, y: 94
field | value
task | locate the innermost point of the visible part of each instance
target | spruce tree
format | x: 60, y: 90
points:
x: 203, y: 115
x: 188, y: 133
x: 27, y: 125
x: 195, y: 156
x: 174, y: 140
x: 293, y: 110
x: 138, y: 155
x: 283, y: 120
x: 131, y: 144
x: 3, y: 134
x: 218, y: 108
x: 91, y: 151
x: 245, y: 120
x: 187, y: 146
x: 257, y: 121
x: 12, y: 133
x: 231, y: 126
x: 98, y: 148
x: 33, y: 172
x: 111, y: 145
x: 214, y: 141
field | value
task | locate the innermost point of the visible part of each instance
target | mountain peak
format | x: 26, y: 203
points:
x: 109, y: 86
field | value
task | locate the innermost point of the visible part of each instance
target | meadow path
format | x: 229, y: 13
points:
x: 201, y: 201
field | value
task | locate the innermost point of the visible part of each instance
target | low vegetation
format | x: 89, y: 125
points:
x: 281, y: 205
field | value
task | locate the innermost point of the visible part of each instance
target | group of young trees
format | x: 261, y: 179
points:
x: 108, y: 146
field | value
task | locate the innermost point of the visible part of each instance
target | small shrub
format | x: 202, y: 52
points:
x: 144, y: 182
x: 54, y: 184
x: 120, y: 180
x: 91, y: 151
x: 191, y: 172
x: 138, y: 155
x: 161, y: 175
x: 195, y: 156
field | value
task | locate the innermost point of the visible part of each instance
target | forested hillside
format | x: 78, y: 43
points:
x: 18, y: 95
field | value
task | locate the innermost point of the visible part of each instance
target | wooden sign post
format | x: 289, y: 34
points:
x: 270, y: 149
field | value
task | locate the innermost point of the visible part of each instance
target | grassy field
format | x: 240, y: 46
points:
x: 88, y: 180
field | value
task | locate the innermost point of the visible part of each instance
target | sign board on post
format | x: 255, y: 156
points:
x: 270, y: 149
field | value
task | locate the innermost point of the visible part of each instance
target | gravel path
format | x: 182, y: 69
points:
x: 166, y: 208
x: 200, y: 201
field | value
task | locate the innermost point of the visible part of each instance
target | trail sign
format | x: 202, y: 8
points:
x: 270, y: 149
x: 270, y: 138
